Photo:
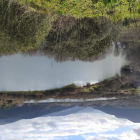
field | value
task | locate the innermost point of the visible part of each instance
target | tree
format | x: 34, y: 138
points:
x: 84, y: 39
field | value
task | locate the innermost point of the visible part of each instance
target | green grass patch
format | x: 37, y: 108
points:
x: 113, y: 9
x: 69, y: 86
x: 86, y: 90
x: 135, y: 90
x: 91, y: 88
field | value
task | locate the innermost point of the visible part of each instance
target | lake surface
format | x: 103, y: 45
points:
x: 24, y: 73
x: 51, y: 100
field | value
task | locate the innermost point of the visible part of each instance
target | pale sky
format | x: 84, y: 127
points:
x: 86, y: 124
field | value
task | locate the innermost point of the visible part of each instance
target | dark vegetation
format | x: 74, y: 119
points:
x: 130, y: 44
x: 23, y: 30
x: 80, y: 39
x: 20, y: 28
x: 70, y: 34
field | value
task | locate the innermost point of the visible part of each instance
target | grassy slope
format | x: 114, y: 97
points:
x: 115, y: 9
